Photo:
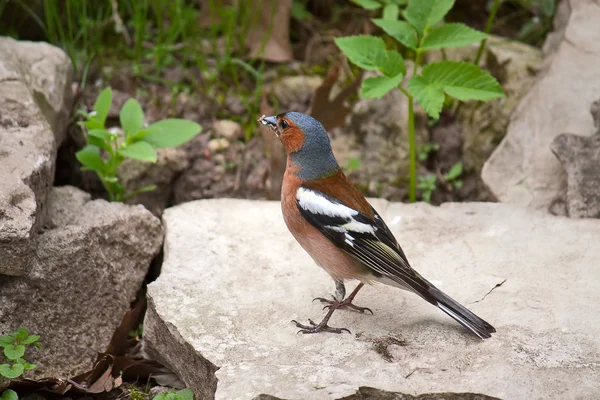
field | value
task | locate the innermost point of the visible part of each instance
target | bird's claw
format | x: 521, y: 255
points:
x: 341, y: 305
x: 314, y: 328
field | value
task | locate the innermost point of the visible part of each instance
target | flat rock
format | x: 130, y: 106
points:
x: 89, y: 263
x: 35, y: 98
x: 523, y: 170
x: 233, y: 278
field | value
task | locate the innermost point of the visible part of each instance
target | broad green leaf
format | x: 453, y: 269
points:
x: 391, y: 12
x: 392, y: 64
x: 94, y: 141
x: 131, y: 117
x: 423, y: 14
x: 454, y: 172
x: 31, y: 339
x: 430, y: 96
x: 402, y: 31
x: 89, y: 157
x: 186, y: 394
x: 13, y: 352
x: 139, y: 151
x: 367, y: 4
x: 102, y: 106
x: 101, y: 134
x: 377, y: 87
x: 22, y: 334
x: 92, y: 124
x: 451, y: 35
x: 463, y: 81
x: 4, y: 340
x: 11, y: 372
x: 363, y: 50
x: 9, y: 394
x: 171, y: 132
x: 28, y: 367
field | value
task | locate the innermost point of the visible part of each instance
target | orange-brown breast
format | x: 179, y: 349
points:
x: 326, y: 254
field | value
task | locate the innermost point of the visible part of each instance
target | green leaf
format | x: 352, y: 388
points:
x: 101, y: 134
x: 186, y: 394
x: 11, y: 372
x: 171, y: 132
x: 22, y: 334
x: 363, y: 50
x: 429, y: 96
x: 131, y: 117
x: 463, y: 81
x: 13, y: 352
x: 402, y: 31
x: 102, y: 106
x: 4, y: 340
x: 139, y: 151
x: 90, y: 158
x: 28, y: 367
x: 31, y: 339
x: 423, y: 14
x: 377, y: 87
x: 392, y: 64
x: 391, y: 12
x: 299, y: 11
x: 10, y: 394
x: 454, y: 172
x: 451, y: 35
x: 161, y: 396
x: 367, y: 4
x: 144, y: 189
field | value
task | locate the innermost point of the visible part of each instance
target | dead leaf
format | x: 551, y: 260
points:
x: 332, y: 113
x: 120, y: 342
x: 270, y: 30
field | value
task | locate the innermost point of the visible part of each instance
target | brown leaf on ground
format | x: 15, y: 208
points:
x: 269, y: 35
x: 332, y: 112
x: 120, y: 342
x: 275, y: 152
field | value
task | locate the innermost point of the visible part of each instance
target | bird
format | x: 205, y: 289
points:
x: 341, y: 231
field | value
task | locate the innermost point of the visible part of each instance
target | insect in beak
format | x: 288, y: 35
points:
x: 269, y: 122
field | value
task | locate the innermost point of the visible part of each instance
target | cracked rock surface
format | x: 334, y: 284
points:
x: 233, y: 278
x: 522, y: 170
x: 35, y: 97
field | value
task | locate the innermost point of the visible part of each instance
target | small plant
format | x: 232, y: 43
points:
x: 185, y: 394
x: 427, y: 185
x: 425, y: 149
x: 106, y: 149
x: 419, y: 32
x: 14, y: 346
x: 452, y: 176
x: 391, y: 8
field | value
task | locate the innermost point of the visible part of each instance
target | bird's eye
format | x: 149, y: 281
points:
x: 284, y: 124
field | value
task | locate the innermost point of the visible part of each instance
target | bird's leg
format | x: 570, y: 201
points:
x: 344, y: 303
x: 340, y: 293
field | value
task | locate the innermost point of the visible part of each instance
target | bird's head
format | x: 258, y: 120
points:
x: 306, y: 143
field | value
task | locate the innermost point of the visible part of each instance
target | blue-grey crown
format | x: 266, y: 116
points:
x: 315, y: 158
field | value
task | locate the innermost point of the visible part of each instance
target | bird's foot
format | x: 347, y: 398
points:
x: 347, y: 303
x: 315, y: 328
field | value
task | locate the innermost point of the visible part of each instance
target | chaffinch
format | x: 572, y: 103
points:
x: 341, y: 231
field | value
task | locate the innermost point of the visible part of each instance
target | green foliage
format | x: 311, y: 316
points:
x: 425, y: 149
x: 106, y: 149
x: 420, y: 31
x: 427, y: 185
x: 14, y: 346
x: 185, y: 394
x: 453, y: 175
x: 352, y: 165
x: 9, y: 394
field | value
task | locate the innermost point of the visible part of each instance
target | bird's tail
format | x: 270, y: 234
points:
x: 460, y: 313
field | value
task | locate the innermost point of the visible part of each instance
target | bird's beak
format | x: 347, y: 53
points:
x: 270, y: 122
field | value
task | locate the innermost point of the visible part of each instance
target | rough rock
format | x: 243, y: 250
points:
x: 229, y: 130
x: 89, y: 263
x: 137, y: 174
x: 580, y: 157
x: 522, y: 169
x: 35, y: 98
x: 233, y: 278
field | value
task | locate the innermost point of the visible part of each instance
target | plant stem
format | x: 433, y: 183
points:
x: 412, y: 151
x: 488, y: 29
